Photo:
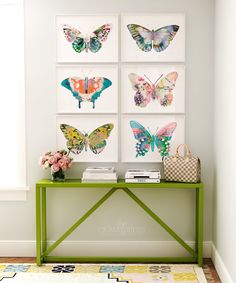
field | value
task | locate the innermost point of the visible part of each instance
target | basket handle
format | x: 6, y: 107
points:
x: 188, y: 153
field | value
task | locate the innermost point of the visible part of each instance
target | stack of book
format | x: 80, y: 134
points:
x: 142, y: 176
x: 99, y: 175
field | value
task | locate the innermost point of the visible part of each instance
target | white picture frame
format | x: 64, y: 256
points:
x: 89, y: 124
x: 86, y: 25
x: 153, y: 75
x: 131, y: 52
x: 107, y: 102
x: 151, y: 123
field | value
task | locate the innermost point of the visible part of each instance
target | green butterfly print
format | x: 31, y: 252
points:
x: 93, y: 42
x: 77, y: 141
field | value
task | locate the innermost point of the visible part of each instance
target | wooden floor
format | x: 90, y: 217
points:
x: 208, y: 267
x: 17, y: 260
x: 210, y: 271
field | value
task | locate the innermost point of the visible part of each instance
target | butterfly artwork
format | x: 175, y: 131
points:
x: 92, y: 42
x: 85, y: 89
x: 77, y: 141
x: 146, y: 140
x: 157, y: 40
x: 161, y: 90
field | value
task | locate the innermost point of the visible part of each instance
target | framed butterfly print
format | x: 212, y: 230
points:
x: 149, y: 138
x: 153, y: 89
x: 87, y: 89
x: 153, y: 38
x: 87, y: 38
x: 89, y: 139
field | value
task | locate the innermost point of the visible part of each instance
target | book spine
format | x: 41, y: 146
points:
x: 98, y: 181
x: 99, y: 176
x: 142, y: 180
x: 143, y: 173
x: 150, y: 176
x: 100, y: 170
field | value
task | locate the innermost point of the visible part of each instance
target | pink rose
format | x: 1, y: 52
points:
x: 65, y: 159
x: 62, y: 164
x: 55, y: 167
x: 57, y: 155
x: 52, y: 160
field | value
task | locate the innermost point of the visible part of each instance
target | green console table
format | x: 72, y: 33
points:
x: 43, y: 251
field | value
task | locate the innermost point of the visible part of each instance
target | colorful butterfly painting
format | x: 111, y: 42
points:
x: 146, y: 92
x: 146, y: 140
x: 158, y: 39
x: 77, y: 141
x: 92, y: 42
x: 85, y: 89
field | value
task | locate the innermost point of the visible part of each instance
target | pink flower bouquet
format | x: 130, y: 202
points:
x: 58, y: 161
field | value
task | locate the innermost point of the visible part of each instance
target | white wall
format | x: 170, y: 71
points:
x: 113, y: 222
x: 224, y: 234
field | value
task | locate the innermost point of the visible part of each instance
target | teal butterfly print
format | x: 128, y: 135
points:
x: 85, y: 89
x: 146, y: 140
x: 92, y: 42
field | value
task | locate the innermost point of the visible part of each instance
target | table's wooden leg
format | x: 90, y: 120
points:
x: 38, y: 225
x: 199, y: 230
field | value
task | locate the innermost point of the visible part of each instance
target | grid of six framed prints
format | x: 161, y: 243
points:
x: 109, y: 73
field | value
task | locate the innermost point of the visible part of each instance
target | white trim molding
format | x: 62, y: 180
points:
x: 220, y: 266
x: 102, y: 248
x: 13, y: 65
x: 13, y: 194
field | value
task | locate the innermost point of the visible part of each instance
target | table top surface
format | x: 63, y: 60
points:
x: 73, y: 183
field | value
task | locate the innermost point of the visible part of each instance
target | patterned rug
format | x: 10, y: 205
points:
x: 101, y: 273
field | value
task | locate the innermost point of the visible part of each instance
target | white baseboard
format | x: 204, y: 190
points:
x: 102, y: 248
x: 220, y: 266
